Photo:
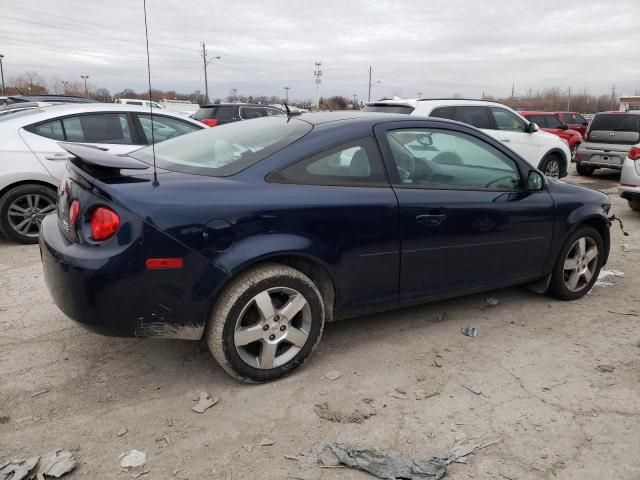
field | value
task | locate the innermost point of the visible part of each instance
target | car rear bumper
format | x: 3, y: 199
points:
x: 600, y: 157
x: 109, y: 291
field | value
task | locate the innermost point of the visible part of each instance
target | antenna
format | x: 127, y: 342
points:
x: 153, y: 138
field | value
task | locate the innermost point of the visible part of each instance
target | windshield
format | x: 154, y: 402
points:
x: 616, y: 122
x: 227, y: 149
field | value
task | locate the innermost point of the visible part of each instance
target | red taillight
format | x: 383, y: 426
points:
x: 104, y: 223
x: 163, y: 263
x: 634, y: 153
x: 73, y: 212
x: 211, y: 122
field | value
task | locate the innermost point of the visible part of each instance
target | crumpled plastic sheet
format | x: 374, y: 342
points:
x: 53, y: 464
x: 392, y: 467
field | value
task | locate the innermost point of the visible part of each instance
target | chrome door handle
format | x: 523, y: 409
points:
x: 505, y: 140
x: 431, y: 220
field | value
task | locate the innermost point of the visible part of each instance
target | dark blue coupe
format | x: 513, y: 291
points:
x: 254, y: 234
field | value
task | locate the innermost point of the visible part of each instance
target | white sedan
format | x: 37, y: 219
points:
x: 32, y: 163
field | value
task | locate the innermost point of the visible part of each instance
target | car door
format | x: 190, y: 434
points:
x: 512, y: 130
x: 465, y: 220
x: 109, y: 131
x: 341, y: 199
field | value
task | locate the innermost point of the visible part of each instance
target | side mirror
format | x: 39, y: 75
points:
x: 564, y: 126
x: 424, y: 139
x: 535, y: 181
x: 532, y: 128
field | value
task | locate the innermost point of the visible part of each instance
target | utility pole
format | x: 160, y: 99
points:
x: 2, y: 73
x: 369, y: 96
x: 419, y: 95
x: 206, y: 62
x: 235, y: 95
x: 613, y: 96
x: 85, y: 78
x: 513, y: 91
x: 64, y: 84
x: 355, y: 99
x: 569, y: 100
x: 286, y: 93
x: 317, y: 73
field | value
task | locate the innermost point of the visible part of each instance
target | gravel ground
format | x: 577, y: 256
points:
x: 535, y: 363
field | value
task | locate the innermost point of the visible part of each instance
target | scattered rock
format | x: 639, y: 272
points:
x: 401, y: 391
x: 38, y: 393
x: 291, y: 457
x: 266, y: 442
x: 55, y: 464
x: 606, y: 368
x: 398, y: 395
x: 204, y: 402
x: 436, y: 363
x: 333, y: 375
x: 247, y: 447
x: 327, y: 413
x: 492, y: 301
x: 322, y: 392
x: 169, y: 421
x: 422, y: 395
x: 18, y: 469
x: 132, y: 459
x: 142, y: 471
x: 4, y: 419
x: 368, y: 401
x: 469, y: 332
x: 122, y: 431
x: 627, y: 247
x: 473, y: 389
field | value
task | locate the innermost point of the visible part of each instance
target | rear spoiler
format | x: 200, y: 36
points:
x: 96, y: 157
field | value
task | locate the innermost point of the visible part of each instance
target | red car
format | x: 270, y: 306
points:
x: 574, y: 121
x: 549, y: 122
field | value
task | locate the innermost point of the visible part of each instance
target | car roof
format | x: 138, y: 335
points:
x: 535, y: 112
x: 618, y: 112
x: 231, y: 104
x: 319, y: 118
x: 41, y: 114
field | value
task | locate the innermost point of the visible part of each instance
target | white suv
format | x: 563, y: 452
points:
x: 543, y: 150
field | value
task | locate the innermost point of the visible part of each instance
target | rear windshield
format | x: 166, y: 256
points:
x: 388, y: 108
x: 220, y: 112
x: 616, y: 122
x: 227, y: 149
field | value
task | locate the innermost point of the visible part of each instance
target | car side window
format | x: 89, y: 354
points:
x: 51, y: 130
x: 98, y: 128
x: 538, y: 120
x: 356, y: 163
x: 552, y: 121
x: 446, y: 159
x: 247, y: 113
x: 273, y: 111
x: 505, y: 120
x: 164, y: 128
x: 444, y: 112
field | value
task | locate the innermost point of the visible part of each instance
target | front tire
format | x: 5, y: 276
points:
x: 551, y: 166
x: 266, y: 323
x: 634, y: 205
x: 22, y: 210
x: 578, y: 264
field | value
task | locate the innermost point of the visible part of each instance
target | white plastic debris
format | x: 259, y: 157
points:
x: 132, y: 459
x: 333, y: 375
x: 205, y: 402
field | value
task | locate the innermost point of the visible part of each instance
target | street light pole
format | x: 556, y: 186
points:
x: 205, y: 63
x: 286, y: 90
x: 355, y: 98
x: 2, y: 73
x: 64, y: 84
x: 235, y: 95
x: 85, y: 78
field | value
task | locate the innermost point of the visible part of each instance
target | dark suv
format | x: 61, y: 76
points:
x: 221, y: 113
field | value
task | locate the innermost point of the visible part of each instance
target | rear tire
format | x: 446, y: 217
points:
x: 266, y: 323
x: 584, y: 170
x: 578, y: 264
x: 634, y: 205
x: 551, y: 166
x: 22, y: 209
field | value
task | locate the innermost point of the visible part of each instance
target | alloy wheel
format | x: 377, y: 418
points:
x: 574, y: 150
x: 272, y: 328
x: 552, y: 168
x: 581, y: 264
x: 26, y: 213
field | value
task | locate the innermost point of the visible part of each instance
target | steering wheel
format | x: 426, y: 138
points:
x: 406, y: 166
x: 506, y: 177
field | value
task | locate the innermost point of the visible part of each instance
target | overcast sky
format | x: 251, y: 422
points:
x: 438, y: 47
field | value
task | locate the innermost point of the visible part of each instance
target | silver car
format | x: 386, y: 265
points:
x: 607, y: 141
x: 32, y: 162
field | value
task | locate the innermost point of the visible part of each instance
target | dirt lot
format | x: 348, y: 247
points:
x: 534, y: 360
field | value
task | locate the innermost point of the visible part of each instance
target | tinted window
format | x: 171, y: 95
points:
x: 50, y: 130
x: 247, y: 113
x: 273, y: 111
x: 476, y: 116
x: 574, y: 118
x: 164, y: 128
x: 552, y: 121
x: 223, y: 112
x: 134, y: 103
x: 616, y: 122
x: 505, y: 120
x: 433, y: 158
x: 98, y: 128
x: 444, y: 112
x: 227, y: 149
x: 354, y: 163
x: 539, y: 120
x: 389, y: 108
